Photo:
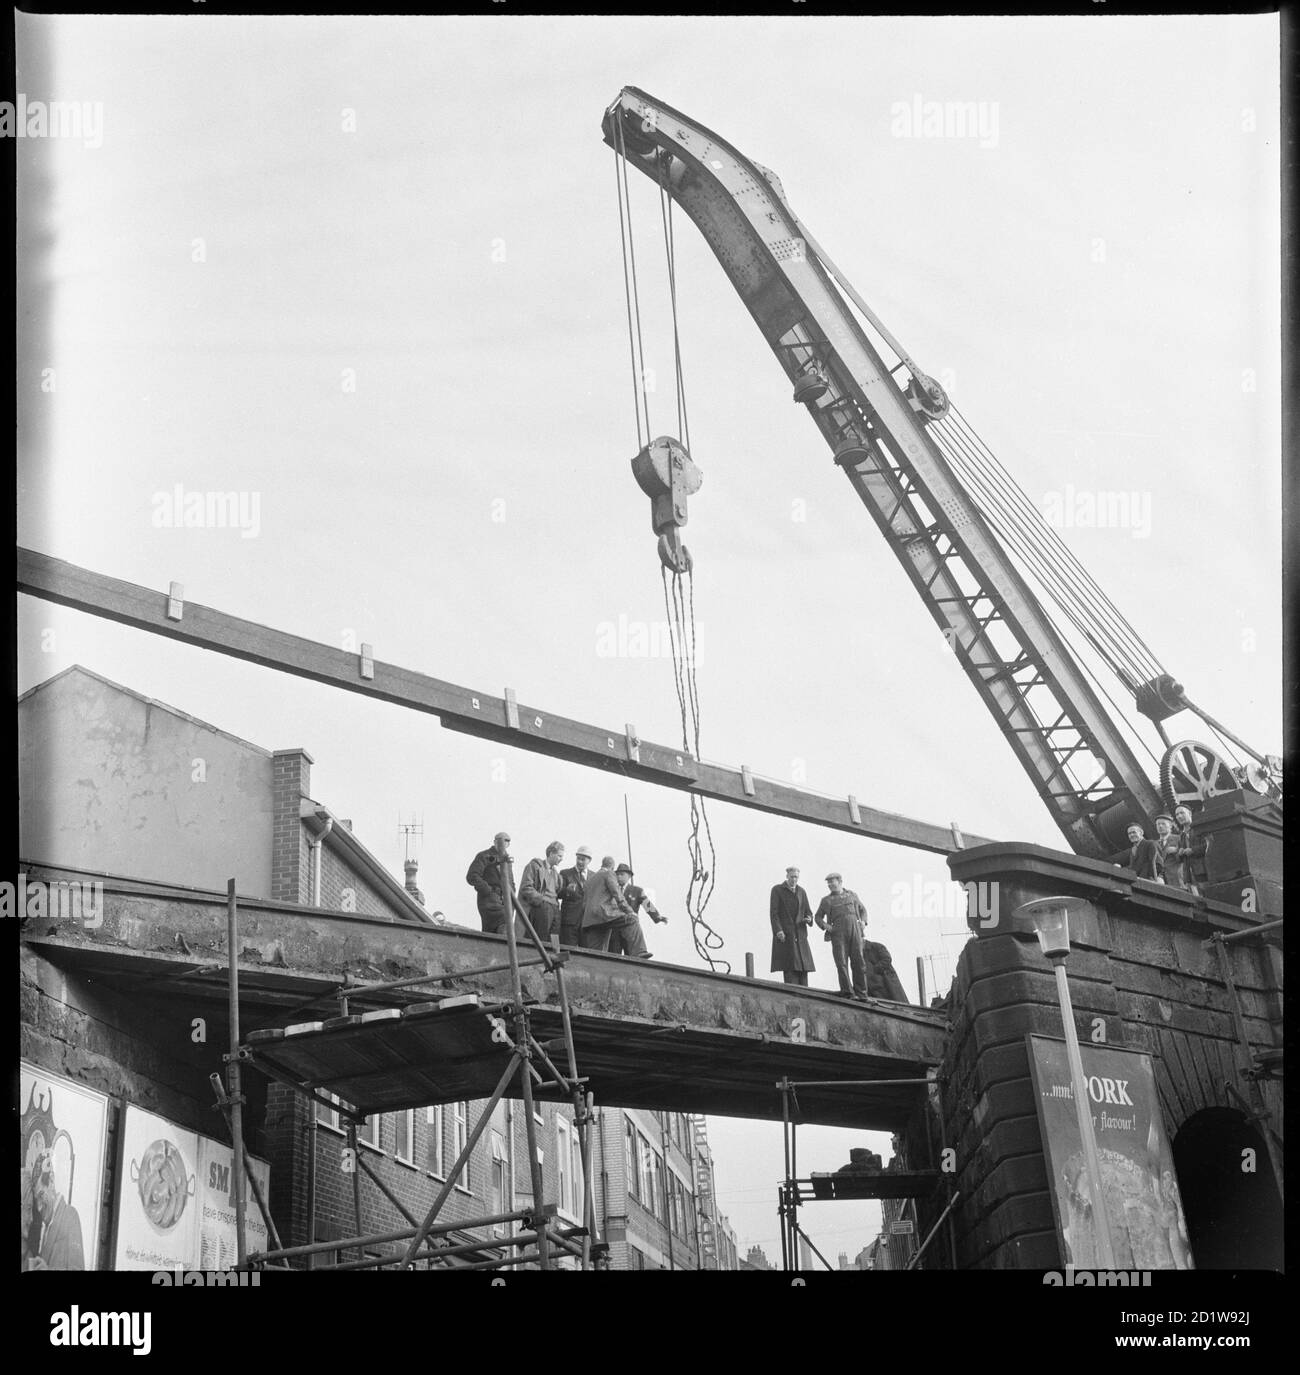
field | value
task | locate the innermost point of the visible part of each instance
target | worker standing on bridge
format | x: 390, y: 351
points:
x: 573, y: 883
x: 539, y: 891
x: 635, y: 897
x: 842, y: 916
x: 605, y: 911
x: 791, y: 913
x: 484, y: 877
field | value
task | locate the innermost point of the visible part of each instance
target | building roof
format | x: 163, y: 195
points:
x: 340, y: 837
x: 140, y: 697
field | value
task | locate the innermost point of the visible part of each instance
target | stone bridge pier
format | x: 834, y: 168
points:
x: 1145, y: 974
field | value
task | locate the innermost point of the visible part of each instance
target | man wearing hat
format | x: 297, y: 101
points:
x: 484, y: 876
x: 1168, y: 843
x: 605, y: 912
x: 842, y: 916
x: 573, y: 883
x: 791, y: 913
x: 636, y: 899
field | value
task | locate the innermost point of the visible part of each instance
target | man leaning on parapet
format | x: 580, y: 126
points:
x: 605, y: 911
x: 484, y: 876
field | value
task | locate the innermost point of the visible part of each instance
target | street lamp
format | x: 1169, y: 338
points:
x: 1051, y: 920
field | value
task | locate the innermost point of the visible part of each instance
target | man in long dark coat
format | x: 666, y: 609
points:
x: 791, y: 915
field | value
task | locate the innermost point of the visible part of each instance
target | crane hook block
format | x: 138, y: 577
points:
x: 666, y: 473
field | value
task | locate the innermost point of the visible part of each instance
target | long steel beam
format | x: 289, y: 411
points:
x: 502, y: 719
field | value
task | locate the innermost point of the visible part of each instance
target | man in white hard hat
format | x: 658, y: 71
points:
x: 573, y: 884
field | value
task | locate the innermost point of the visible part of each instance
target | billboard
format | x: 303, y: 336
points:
x: 63, y: 1129
x: 175, y: 1205
x: 1139, y: 1186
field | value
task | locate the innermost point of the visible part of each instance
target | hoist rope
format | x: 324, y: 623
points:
x: 625, y: 202
x: 1013, y: 537
x: 1130, y: 649
x: 1016, y: 529
x: 679, y: 604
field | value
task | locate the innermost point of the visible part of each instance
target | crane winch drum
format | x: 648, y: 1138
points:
x: 667, y: 474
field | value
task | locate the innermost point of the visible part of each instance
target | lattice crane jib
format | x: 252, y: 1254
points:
x: 878, y: 427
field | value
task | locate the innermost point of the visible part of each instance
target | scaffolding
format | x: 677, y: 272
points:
x: 849, y: 1184
x: 309, y: 1057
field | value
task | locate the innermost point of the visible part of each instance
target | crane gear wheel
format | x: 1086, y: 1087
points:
x: 1191, y: 773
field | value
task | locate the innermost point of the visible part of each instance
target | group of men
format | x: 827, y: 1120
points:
x: 842, y: 918
x: 1175, y: 856
x: 595, y: 909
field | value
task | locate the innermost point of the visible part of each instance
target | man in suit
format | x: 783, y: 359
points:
x: 484, y: 876
x: 605, y: 911
x: 1141, y: 856
x: 539, y: 891
x: 842, y: 916
x: 791, y: 915
x: 573, y: 884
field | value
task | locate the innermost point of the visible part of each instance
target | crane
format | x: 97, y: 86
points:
x: 954, y: 518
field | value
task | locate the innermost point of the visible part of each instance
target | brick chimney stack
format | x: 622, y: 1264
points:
x: 412, y: 868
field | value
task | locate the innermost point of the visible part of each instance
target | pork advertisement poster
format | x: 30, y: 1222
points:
x: 1139, y: 1185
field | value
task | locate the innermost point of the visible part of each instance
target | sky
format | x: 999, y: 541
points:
x: 366, y: 273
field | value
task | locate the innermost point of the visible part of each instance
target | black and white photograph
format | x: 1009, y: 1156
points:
x: 656, y: 644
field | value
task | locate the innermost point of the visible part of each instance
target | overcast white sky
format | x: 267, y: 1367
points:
x: 454, y: 243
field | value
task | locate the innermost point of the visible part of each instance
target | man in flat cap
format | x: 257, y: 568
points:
x: 484, y: 876
x: 842, y: 916
x: 573, y: 883
x: 790, y: 915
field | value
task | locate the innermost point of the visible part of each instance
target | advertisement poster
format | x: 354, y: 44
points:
x: 216, y: 1200
x: 1143, y: 1205
x: 175, y: 1200
x: 63, y: 1130
x: 157, y: 1215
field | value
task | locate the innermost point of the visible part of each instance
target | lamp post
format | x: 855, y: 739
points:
x: 1051, y: 919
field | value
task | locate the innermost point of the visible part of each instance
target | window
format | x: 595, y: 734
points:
x: 630, y: 1159
x: 433, y: 1154
x: 459, y: 1136
x: 647, y: 1175
x: 404, y: 1136
x: 368, y: 1134
x: 568, y: 1157
x: 660, y: 1204
x: 497, y: 1191
x: 329, y: 1116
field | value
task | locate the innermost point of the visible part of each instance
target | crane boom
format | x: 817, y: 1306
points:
x: 1024, y: 671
